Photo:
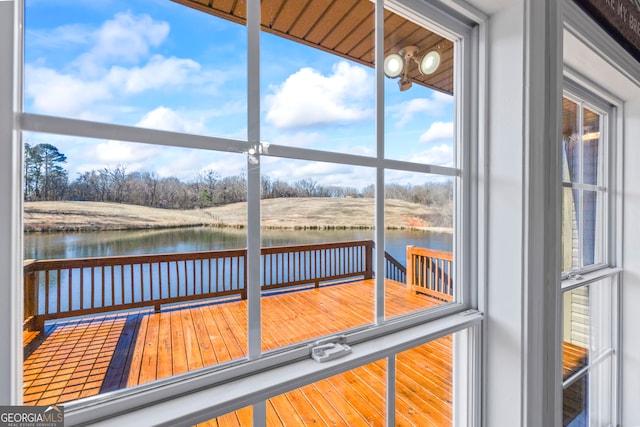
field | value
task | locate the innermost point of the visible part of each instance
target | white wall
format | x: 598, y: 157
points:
x: 504, y: 281
x: 631, y: 276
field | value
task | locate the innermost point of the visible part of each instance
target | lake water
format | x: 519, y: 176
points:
x: 112, y: 243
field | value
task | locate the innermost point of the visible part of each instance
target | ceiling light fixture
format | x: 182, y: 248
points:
x: 397, y: 64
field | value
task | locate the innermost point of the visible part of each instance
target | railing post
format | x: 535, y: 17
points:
x: 31, y: 319
x: 368, y: 274
x: 243, y: 292
x: 410, y: 267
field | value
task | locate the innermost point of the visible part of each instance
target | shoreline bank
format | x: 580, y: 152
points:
x: 313, y: 214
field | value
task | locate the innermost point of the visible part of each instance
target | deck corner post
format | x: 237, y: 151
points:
x: 368, y: 273
x: 410, y: 267
x: 30, y: 294
x: 38, y: 323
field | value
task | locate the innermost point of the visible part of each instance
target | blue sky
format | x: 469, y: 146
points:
x: 160, y: 65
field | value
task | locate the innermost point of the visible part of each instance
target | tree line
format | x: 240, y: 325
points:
x: 45, y: 178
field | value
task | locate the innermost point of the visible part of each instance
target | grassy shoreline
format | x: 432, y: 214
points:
x: 286, y: 214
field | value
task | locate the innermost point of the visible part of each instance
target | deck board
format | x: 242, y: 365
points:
x: 85, y: 357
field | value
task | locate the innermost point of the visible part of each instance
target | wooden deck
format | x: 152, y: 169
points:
x: 80, y: 358
x: 98, y: 354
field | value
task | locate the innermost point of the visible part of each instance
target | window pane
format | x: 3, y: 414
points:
x: 575, y: 404
x: 570, y: 136
x: 419, y: 107
x: 592, y: 148
x: 317, y: 255
x: 570, y: 229
x: 317, y: 80
x: 593, y: 227
x: 424, y: 384
x: 154, y: 230
x: 354, y: 398
x: 588, y: 353
x: 584, y: 235
x: 418, y: 242
x: 143, y: 63
x: 576, y: 331
x: 601, y: 392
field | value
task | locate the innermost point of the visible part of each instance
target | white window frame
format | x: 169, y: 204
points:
x: 384, y: 339
x: 578, y: 87
x: 606, y: 227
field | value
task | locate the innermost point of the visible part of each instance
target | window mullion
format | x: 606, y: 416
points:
x: 580, y: 208
x: 379, y: 188
x: 260, y: 414
x: 253, y: 182
x: 391, y: 390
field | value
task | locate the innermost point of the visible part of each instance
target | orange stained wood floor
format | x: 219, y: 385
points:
x: 93, y: 355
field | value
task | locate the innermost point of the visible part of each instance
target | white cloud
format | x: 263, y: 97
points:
x: 163, y: 118
x: 118, y: 65
x: 121, y: 152
x: 438, y: 131
x: 159, y: 72
x: 404, y: 112
x: 60, y: 37
x: 62, y: 94
x: 308, y: 98
x: 125, y: 38
x: 73, y: 96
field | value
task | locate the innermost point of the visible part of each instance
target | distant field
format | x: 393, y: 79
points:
x: 285, y: 213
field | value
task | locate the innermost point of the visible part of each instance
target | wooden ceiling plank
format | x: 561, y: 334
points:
x: 269, y: 11
x: 211, y: 10
x: 225, y: 6
x: 362, y: 49
x: 240, y: 9
x: 206, y: 3
x: 308, y: 18
x: 359, y: 23
x: 287, y: 16
x: 341, y: 27
x: 395, y: 29
x: 330, y: 19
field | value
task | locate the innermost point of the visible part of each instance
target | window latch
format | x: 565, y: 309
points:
x: 325, y: 351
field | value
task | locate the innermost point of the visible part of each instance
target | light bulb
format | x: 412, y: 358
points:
x: 430, y: 63
x: 393, y: 65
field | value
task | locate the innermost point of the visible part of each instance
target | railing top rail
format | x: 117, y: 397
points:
x: 129, y: 259
x: 51, y: 264
x: 447, y: 256
x: 315, y: 246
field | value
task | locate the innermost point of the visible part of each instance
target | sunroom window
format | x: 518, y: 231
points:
x: 213, y: 188
x: 590, y: 285
x: 584, y: 189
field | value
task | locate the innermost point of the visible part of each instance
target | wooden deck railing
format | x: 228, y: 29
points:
x: 283, y: 266
x: 393, y: 269
x: 72, y: 287
x: 430, y: 272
